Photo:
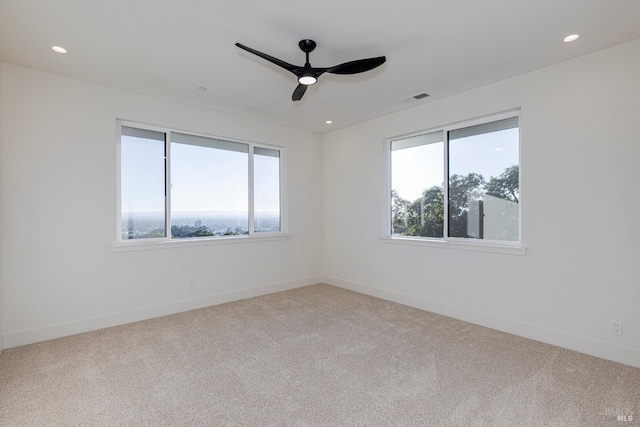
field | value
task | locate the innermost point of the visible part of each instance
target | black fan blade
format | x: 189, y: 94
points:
x: 358, y: 66
x: 269, y: 58
x: 300, y: 90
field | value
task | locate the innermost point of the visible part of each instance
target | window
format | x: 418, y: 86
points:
x: 266, y: 195
x: 175, y: 185
x: 458, y: 182
x: 142, y: 178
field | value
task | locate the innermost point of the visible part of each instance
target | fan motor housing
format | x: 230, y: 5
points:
x: 307, y: 45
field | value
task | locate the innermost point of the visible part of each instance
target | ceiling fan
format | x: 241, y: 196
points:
x: 308, y: 75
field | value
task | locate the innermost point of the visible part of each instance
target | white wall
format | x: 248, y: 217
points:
x: 1, y: 257
x: 60, y: 274
x: 580, y: 148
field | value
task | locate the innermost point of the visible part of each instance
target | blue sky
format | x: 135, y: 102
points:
x: 418, y: 168
x: 202, y: 178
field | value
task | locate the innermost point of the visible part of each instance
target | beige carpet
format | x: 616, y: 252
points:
x: 312, y: 356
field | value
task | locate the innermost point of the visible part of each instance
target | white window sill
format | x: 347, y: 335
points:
x: 464, y: 246
x: 191, y: 242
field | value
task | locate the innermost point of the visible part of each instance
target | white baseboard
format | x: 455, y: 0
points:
x: 15, y: 339
x: 590, y: 346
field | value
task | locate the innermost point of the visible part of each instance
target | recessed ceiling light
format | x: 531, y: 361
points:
x: 328, y: 122
x: 571, y: 38
x: 202, y: 88
x: 58, y: 49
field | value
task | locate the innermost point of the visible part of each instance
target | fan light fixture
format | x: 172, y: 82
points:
x: 307, y: 80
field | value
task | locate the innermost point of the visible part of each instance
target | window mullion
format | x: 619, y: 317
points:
x: 251, y: 191
x: 445, y: 185
x: 167, y: 184
x: 119, y: 185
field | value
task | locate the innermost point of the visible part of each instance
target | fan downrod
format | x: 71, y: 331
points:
x: 307, y: 45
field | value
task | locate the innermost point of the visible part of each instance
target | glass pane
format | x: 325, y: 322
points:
x: 209, y: 187
x: 417, y: 200
x: 142, y: 180
x: 201, y: 141
x: 266, y: 176
x: 484, y: 187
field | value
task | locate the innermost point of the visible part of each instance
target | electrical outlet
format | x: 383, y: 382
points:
x: 616, y: 327
x: 192, y: 287
x: 346, y: 272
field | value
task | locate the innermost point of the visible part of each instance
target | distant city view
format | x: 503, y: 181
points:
x: 144, y: 225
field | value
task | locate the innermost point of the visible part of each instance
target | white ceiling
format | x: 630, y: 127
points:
x: 168, y: 48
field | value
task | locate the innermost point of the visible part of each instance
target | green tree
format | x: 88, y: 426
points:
x: 507, y: 185
x: 426, y: 215
x: 462, y: 190
x: 158, y: 232
x: 185, y: 231
x: 399, y: 214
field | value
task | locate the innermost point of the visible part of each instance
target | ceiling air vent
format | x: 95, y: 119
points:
x: 413, y: 98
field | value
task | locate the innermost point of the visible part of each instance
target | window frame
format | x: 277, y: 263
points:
x: 158, y: 242
x: 483, y: 245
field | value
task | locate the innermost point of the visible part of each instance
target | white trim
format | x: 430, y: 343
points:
x: 1, y: 344
x: 459, y: 244
x: 30, y: 336
x: 145, y: 245
x: 617, y: 353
